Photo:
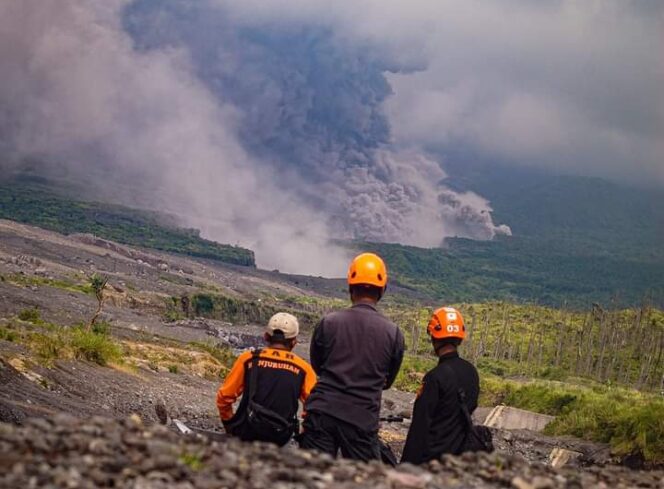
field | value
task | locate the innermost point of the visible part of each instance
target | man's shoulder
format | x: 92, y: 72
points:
x: 244, y: 356
x: 467, y: 364
x: 302, y: 363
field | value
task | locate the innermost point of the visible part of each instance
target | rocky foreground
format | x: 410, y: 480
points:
x: 66, y: 452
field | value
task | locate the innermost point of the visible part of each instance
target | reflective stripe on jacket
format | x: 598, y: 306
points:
x: 283, y: 378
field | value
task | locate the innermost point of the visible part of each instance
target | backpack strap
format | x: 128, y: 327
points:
x: 461, y: 394
x: 253, y: 374
x: 461, y: 397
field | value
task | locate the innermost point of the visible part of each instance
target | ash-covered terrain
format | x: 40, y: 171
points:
x: 68, y: 421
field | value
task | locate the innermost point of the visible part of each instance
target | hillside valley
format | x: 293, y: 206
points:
x: 170, y: 328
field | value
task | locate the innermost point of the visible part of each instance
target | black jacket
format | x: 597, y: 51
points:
x: 438, y: 425
x: 356, y: 353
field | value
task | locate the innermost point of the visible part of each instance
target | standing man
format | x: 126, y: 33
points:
x: 441, y: 424
x: 356, y: 353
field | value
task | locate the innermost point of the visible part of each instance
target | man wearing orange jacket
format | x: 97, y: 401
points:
x: 271, y: 381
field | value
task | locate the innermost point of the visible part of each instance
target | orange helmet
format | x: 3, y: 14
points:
x: 367, y: 269
x: 447, y: 322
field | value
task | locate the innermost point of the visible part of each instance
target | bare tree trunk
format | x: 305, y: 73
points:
x: 560, y: 349
x: 589, y: 349
x: 470, y: 333
x: 500, y: 340
x: 100, y: 305
x: 603, y: 321
x: 485, y: 332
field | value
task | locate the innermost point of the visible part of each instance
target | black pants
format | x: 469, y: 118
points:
x: 331, y: 435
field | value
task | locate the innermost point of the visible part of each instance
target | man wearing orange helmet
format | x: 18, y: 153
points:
x: 356, y: 353
x: 441, y: 420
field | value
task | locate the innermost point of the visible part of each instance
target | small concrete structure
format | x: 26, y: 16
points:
x: 509, y: 418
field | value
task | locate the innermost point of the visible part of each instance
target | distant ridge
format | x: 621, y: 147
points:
x: 32, y: 201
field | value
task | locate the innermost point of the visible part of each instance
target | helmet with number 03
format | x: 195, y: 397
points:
x: 446, y: 322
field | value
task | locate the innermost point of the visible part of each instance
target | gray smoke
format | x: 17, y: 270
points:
x: 273, y: 136
x: 314, y: 104
x: 143, y: 129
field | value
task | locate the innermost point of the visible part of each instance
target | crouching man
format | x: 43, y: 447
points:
x: 270, y: 380
x: 441, y: 421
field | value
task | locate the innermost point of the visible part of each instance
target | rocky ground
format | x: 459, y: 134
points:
x: 65, y: 452
x: 40, y: 447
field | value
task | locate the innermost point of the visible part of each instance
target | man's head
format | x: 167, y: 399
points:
x: 282, y: 330
x: 446, y: 329
x: 367, y: 278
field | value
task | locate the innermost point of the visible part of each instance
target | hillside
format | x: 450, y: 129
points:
x: 581, y: 212
x: 576, y: 240
x: 33, y: 202
x: 524, y: 269
x: 577, y: 259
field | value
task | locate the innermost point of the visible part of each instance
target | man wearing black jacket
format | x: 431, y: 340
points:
x: 356, y: 353
x: 438, y: 424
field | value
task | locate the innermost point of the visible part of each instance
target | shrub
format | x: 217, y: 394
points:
x: 49, y: 346
x: 30, y: 315
x: 541, y: 398
x: 203, y: 304
x: 101, y: 328
x: 173, y: 369
x: 7, y: 334
x: 629, y: 426
x: 94, y: 347
x: 222, y: 354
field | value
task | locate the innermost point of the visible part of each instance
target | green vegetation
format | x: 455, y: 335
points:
x: 524, y: 269
x: 222, y: 354
x: 592, y: 352
x: 584, y: 211
x: 34, y: 203
x: 7, y: 334
x: 36, y: 281
x: 573, y: 242
x: 192, y: 460
x: 97, y: 285
x: 624, y: 347
x: 628, y: 420
x: 576, y: 240
x: 30, y: 315
x: 241, y: 311
x: 412, y: 372
x: 50, y: 342
x: 94, y: 347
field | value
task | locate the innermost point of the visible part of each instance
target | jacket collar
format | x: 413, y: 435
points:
x: 364, y: 305
x: 452, y: 354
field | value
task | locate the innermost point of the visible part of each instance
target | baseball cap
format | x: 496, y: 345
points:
x: 285, y: 323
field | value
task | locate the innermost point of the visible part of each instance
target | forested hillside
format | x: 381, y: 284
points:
x: 32, y: 203
x: 575, y: 240
x: 615, y: 262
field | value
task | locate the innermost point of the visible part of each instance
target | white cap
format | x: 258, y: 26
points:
x: 284, y: 322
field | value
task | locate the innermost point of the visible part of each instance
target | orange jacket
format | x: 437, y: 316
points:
x: 277, y: 368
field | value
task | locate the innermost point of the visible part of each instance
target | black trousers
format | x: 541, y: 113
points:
x: 331, y: 435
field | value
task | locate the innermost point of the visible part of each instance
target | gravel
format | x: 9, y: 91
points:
x: 66, y: 452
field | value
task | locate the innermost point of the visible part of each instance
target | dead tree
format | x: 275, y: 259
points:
x: 97, y: 284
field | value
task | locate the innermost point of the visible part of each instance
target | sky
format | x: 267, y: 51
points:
x: 284, y: 125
